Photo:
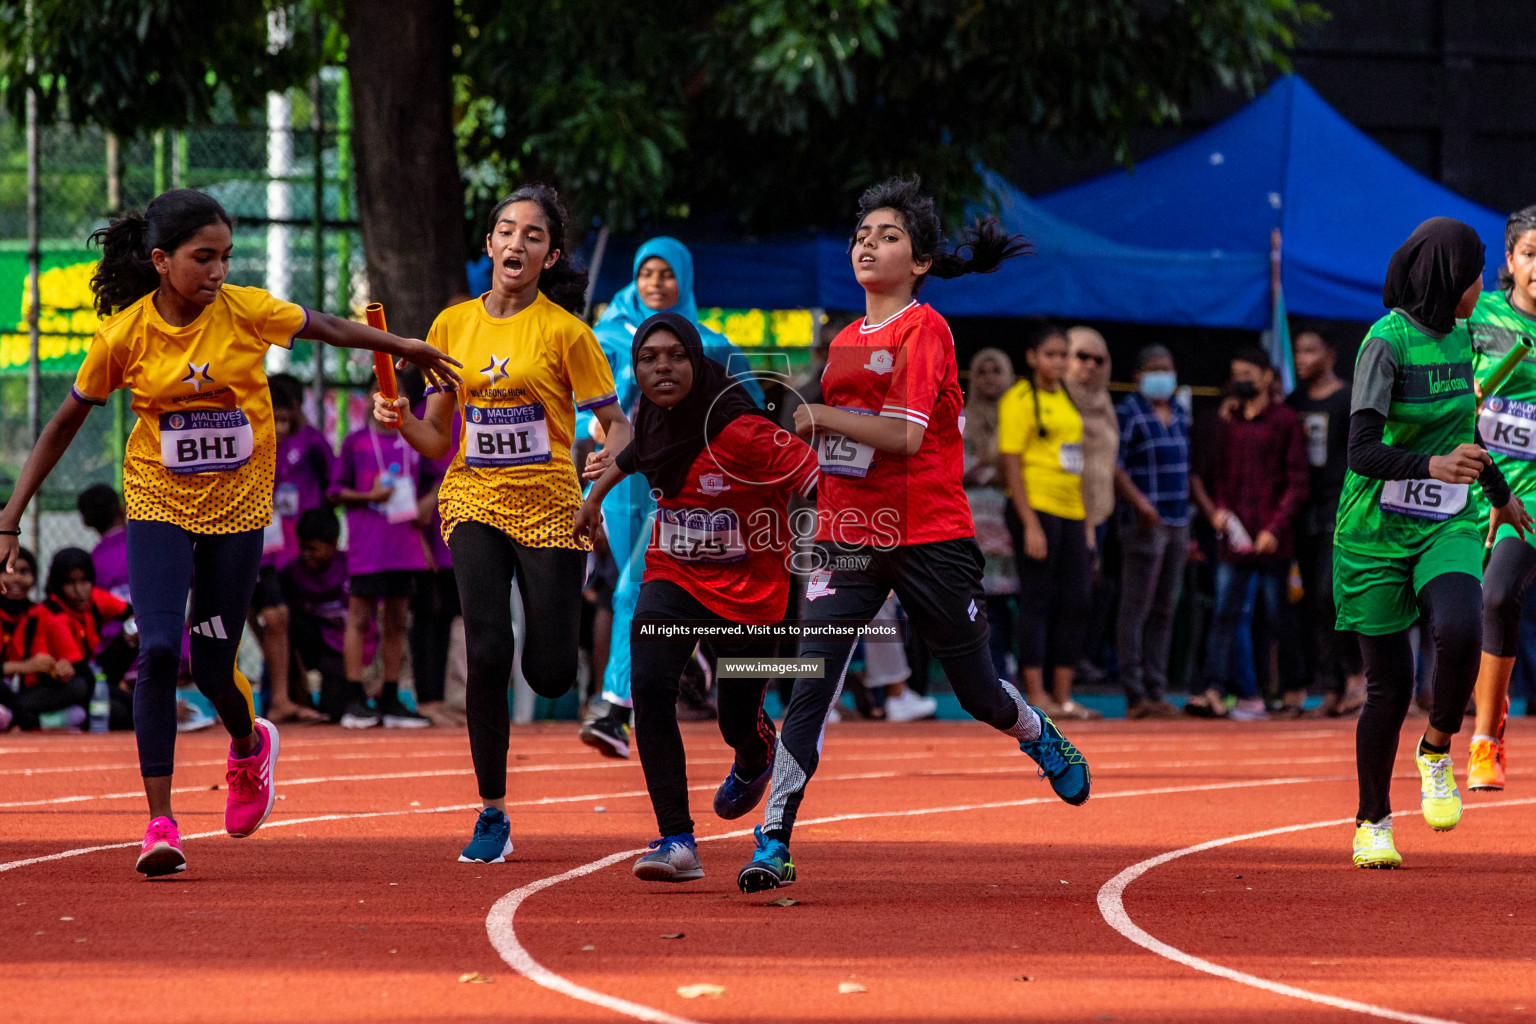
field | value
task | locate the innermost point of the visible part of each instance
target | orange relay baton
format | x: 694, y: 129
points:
x: 383, y: 365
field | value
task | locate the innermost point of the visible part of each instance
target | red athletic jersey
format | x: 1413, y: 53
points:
x: 85, y: 626
x: 724, y: 537
x: 904, y: 368
x: 32, y: 631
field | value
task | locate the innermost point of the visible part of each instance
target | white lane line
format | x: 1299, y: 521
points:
x: 501, y: 928
x: 1112, y: 909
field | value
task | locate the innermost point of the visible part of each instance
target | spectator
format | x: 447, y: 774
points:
x: 1258, y: 483
x: 101, y: 510
x: 74, y: 599
x: 1040, y: 437
x: 305, y: 466
x: 39, y: 674
x: 990, y: 377
x: 1328, y: 655
x: 1087, y: 381
x: 315, y: 590
x: 1153, y: 482
x: 378, y: 480
x: 435, y: 605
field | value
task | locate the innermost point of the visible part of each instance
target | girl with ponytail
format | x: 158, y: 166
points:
x: 509, y: 499
x: 892, y: 512
x: 197, y: 474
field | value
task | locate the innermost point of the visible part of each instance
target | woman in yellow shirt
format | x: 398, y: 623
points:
x: 509, y: 500
x: 197, y: 474
x: 1040, y: 441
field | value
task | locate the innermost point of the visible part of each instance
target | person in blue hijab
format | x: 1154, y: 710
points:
x: 663, y: 282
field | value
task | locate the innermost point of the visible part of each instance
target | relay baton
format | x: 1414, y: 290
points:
x: 383, y: 365
x: 1506, y: 366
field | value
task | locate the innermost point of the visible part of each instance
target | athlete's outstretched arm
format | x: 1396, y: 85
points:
x: 883, y: 433
x: 616, y: 437
x: 432, y: 434
x: 56, y: 436
x: 438, y: 367
x: 590, y: 516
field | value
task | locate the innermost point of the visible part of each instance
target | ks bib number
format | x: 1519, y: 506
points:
x: 1423, y: 499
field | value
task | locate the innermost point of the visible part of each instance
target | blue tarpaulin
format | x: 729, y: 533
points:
x: 1287, y: 160
x: 1072, y: 273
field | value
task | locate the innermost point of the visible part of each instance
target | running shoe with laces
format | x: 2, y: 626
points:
x: 736, y: 796
x: 609, y: 734
x: 1374, y: 847
x: 1059, y: 761
x: 1485, y: 765
x: 161, y: 853
x: 771, y: 866
x: 251, y: 787
x: 492, y: 840
x: 1438, y: 795
x: 397, y: 716
x: 672, y: 859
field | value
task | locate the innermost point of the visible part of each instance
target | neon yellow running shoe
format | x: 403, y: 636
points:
x: 1374, y: 847
x: 1438, y: 795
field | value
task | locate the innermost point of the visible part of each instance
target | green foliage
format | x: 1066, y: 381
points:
x: 135, y: 66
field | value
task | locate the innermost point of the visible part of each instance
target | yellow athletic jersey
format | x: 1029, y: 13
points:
x: 1048, y: 435
x: 524, y: 378
x: 203, y: 452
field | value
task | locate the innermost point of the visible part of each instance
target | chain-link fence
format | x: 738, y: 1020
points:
x: 286, y: 179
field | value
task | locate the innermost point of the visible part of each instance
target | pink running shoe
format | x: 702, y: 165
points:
x: 161, y: 854
x: 251, y: 788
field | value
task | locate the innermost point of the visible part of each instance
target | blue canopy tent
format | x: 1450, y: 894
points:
x: 1287, y: 160
x: 1073, y: 273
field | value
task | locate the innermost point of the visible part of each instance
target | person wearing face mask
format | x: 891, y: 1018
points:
x: 1152, y: 481
x: 1257, y: 483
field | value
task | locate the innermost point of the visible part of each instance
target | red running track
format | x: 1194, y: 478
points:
x: 937, y: 874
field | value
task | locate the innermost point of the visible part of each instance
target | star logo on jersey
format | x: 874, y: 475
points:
x: 713, y: 483
x: 817, y: 586
x: 497, y: 370
x: 197, y: 376
x: 881, y: 361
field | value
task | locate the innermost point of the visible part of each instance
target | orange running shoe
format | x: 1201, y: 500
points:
x: 1485, y: 765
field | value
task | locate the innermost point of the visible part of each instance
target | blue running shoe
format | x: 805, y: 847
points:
x: 672, y: 859
x: 769, y: 868
x: 737, y: 796
x: 1059, y: 761
x: 492, y: 840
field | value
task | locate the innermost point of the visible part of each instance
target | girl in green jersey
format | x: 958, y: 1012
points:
x: 1409, y: 544
x: 1505, y: 320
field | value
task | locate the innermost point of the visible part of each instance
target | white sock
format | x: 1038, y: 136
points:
x: 1481, y: 736
x: 1027, y: 728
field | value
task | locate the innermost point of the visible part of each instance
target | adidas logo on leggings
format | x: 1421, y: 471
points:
x: 213, y: 627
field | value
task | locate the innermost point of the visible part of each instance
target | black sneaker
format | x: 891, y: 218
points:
x: 397, y: 716
x: 608, y: 735
x: 360, y: 716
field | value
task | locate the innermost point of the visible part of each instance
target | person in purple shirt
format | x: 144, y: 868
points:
x: 379, y: 479
x: 436, y: 603
x: 101, y: 510
x: 315, y: 588
x: 304, y: 471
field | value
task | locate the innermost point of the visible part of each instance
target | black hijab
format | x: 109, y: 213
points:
x: 1432, y: 270
x: 667, y: 441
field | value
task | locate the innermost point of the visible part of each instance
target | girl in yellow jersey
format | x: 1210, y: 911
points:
x: 510, y: 498
x: 197, y: 474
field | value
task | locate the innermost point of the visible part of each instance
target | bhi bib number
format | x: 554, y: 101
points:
x: 700, y: 535
x: 515, y: 435
x: 1509, y: 428
x: 1071, y: 459
x: 205, y: 440
x: 840, y: 455
x: 1423, y: 499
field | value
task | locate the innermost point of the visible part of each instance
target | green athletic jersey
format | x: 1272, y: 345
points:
x: 1422, y: 382
x: 1508, y: 420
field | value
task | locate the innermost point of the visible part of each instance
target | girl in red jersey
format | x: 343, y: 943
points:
x: 722, y: 472
x: 892, y: 512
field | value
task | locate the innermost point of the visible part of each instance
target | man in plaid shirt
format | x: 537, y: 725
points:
x: 1257, y: 482
x: 1152, y: 482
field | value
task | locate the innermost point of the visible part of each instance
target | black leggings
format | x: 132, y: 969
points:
x: 433, y: 610
x: 162, y: 561
x: 656, y: 666
x: 1450, y: 619
x: 1055, y: 594
x: 549, y: 580
x: 1509, y: 574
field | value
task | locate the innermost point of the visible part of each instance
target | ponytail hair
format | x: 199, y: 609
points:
x: 985, y: 245
x: 126, y: 273
x: 1518, y: 224
x: 564, y: 284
